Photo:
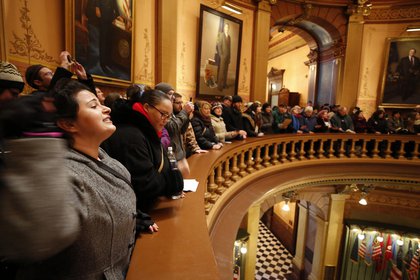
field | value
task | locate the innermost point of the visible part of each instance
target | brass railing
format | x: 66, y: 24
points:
x: 284, y: 149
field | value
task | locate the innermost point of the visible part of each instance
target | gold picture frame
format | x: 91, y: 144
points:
x: 401, y: 74
x: 101, y: 38
x: 219, y: 53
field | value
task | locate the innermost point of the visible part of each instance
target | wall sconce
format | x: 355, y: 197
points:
x: 363, y: 200
x: 361, y: 236
x: 288, y: 196
x: 286, y: 206
x: 231, y: 8
x: 412, y: 28
x: 400, y: 242
x: 380, y: 238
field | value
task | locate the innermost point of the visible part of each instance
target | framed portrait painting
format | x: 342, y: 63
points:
x: 401, y: 76
x: 219, y: 54
x: 100, y: 37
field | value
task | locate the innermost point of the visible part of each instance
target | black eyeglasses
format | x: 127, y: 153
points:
x: 163, y: 115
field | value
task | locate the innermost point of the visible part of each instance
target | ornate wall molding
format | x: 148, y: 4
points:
x: 28, y: 45
x: 393, y: 14
x: 243, y: 87
x: 145, y: 74
x: 182, y: 80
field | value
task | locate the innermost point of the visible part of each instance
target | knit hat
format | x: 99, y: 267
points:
x: 236, y: 99
x: 32, y: 74
x: 227, y: 97
x: 216, y: 105
x: 10, y: 76
x: 164, y: 87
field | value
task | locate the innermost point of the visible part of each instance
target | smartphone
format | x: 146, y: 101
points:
x: 70, y: 59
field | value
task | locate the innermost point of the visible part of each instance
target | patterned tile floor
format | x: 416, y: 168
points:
x: 273, y: 260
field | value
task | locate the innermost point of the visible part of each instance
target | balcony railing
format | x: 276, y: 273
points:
x: 182, y: 249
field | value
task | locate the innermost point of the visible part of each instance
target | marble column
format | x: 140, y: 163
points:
x: 252, y: 228
x: 347, y: 96
x: 319, y: 252
x: 299, y: 258
x: 260, y: 52
x: 335, y: 230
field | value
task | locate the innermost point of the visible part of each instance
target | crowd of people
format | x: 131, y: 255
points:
x: 80, y: 172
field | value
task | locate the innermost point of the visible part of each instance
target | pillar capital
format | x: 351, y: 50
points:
x: 359, y: 9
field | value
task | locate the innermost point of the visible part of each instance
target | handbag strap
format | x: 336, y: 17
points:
x: 162, y: 160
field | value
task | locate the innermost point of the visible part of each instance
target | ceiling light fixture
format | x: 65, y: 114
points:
x: 413, y: 28
x: 231, y: 8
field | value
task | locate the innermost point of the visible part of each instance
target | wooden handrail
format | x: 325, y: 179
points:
x: 182, y: 248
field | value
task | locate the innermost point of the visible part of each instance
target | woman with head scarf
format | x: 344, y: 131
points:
x: 219, y: 125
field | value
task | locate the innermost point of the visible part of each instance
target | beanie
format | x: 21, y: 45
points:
x: 10, y: 76
x: 236, y: 99
x: 32, y: 74
x: 164, y: 87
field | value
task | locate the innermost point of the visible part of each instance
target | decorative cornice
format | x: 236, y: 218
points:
x: 390, y: 200
x: 403, y: 13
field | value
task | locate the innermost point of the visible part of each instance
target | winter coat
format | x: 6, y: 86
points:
x: 219, y: 127
x: 205, y: 135
x: 176, y: 126
x: 137, y: 146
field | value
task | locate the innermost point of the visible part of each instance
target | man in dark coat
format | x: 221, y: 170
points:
x: 233, y: 117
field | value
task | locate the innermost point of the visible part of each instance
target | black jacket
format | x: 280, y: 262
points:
x: 204, y: 135
x: 136, y: 145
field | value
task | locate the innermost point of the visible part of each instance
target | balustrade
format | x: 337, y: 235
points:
x: 250, y: 158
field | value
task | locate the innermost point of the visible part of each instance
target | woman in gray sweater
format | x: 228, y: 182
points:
x: 101, y: 195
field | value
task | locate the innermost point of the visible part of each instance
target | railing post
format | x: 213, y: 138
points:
x: 375, y: 152
x: 364, y: 150
x: 266, y: 158
x: 250, y: 162
x: 341, y: 150
x: 301, y: 150
x: 321, y: 148
x: 220, y: 180
x: 235, y: 176
x: 275, y: 156
x: 211, y: 188
x: 292, y: 153
x: 242, y: 165
x: 227, y: 174
x: 388, y: 151
x: 353, y: 149
x: 311, y: 151
x: 258, y: 159
x: 416, y: 151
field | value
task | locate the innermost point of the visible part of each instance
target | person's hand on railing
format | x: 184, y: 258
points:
x: 217, y: 146
x: 199, y: 151
x: 260, y: 134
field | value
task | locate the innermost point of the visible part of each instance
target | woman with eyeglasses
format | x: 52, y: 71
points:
x: 136, y: 144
